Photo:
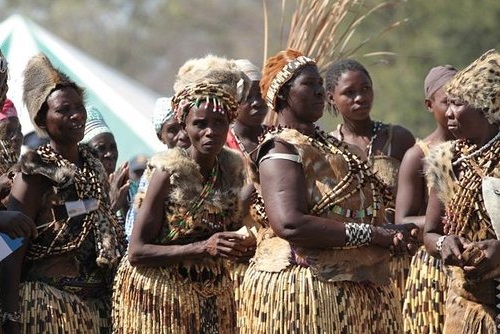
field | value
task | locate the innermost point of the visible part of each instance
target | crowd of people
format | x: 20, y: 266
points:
x: 253, y: 219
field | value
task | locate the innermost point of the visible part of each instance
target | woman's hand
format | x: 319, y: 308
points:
x: 400, y: 238
x: 484, y: 261
x: 452, y: 249
x: 230, y: 245
x: 119, y: 185
x: 16, y: 224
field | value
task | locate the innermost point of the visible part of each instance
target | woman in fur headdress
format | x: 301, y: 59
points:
x: 462, y: 224
x: 175, y: 279
x: 65, y: 284
x: 321, y: 264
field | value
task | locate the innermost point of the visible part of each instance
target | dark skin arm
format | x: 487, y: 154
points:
x: 283, y: 185
x: 453, y: 246
x: 25, y: 197
x: 142, y: 251
x: 410, y: 199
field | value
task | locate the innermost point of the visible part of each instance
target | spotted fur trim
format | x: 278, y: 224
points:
x: 440, y: 173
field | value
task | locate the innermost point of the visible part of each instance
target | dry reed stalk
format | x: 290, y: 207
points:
x: 323, y: 29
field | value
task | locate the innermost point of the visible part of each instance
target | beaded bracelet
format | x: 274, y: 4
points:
x: 358, y: 234
x: 9, y: 316
x: 439, y: 243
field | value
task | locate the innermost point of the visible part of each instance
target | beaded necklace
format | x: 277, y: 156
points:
x: 208, y: 188
x: 238, y: 141
x: 376, y: 127
x: 466, y: 214
x: 70, y: 236
x: 477, y: 151
x: 358, y: 172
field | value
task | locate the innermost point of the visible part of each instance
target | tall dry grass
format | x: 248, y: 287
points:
x: 324, y: 29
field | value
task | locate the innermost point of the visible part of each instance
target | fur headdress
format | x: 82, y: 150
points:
x: 210, y: 78
x: 277, y: 71
x: 479, y: 85
x: 41, y: 79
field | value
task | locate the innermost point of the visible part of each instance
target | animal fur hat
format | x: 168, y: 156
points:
x: 479, y: 85
x: 40, y: 80
x: 213, y: 69
x: 210, y: 77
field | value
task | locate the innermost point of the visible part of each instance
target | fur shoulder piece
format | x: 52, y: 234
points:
x: 46, y: 162
x: 440, y: 173
x: 178, y: 164
x: 32, y: 163
x: 232, y: 167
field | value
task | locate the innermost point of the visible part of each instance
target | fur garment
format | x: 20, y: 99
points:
x: 186, y: 185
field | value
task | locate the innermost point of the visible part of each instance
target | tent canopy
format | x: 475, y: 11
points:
x: 126, y: 106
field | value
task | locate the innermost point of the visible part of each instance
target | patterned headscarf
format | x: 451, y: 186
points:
x: 479, y: 85
x: 95, y: 124
x: 253, y: 72
x: 162, y: 112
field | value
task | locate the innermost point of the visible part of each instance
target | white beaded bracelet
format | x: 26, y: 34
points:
x: 439, y: 243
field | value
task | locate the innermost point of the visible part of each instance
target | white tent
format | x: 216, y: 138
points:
x: 125, y: 105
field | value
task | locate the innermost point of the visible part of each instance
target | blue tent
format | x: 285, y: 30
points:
x: 126, y: 106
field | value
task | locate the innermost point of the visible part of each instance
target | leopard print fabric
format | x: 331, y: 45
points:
x: 479, y: 85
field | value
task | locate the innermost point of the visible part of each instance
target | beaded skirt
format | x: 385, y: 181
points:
x: 425, y: 296
x: 399, y: 267
x: 47, y: 310
x: 237, y: 273
x: 295, y: 301
x: 174, y: 299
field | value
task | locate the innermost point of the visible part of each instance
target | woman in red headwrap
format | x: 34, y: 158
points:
x: 321, y: 264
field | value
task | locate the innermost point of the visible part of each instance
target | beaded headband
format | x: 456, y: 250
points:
x: 285, y: 74
x: 196, y: 94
